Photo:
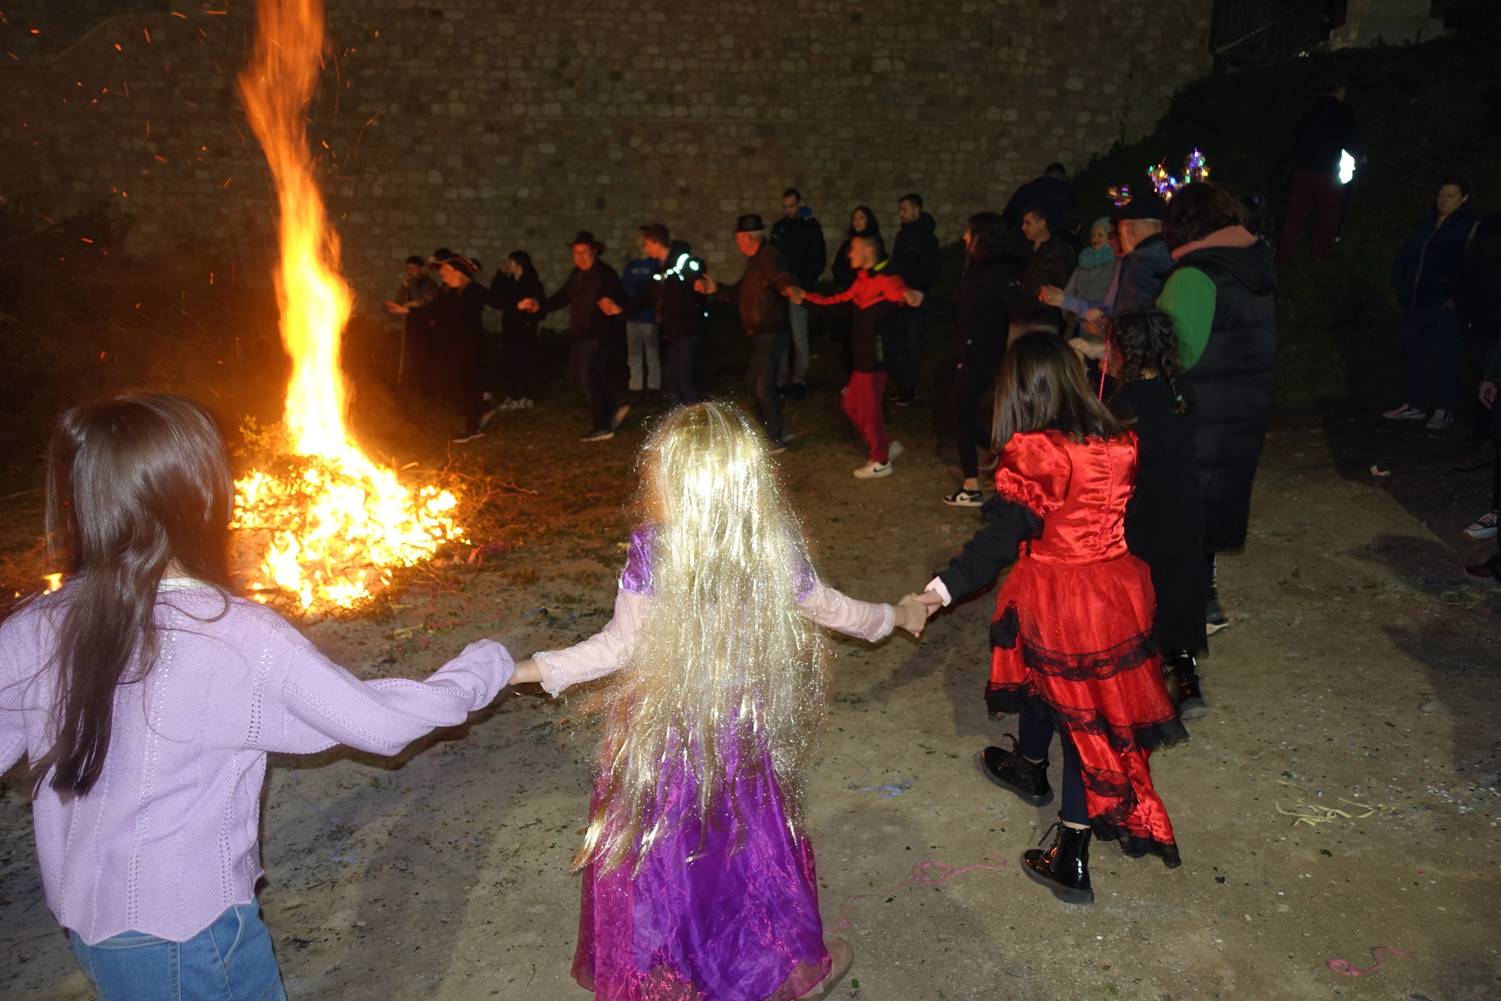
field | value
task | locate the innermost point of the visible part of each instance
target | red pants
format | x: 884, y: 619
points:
x: 1313, y: 192
x: 862, y: 405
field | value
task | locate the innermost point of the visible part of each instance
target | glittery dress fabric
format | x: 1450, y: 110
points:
x: 1072, y: 632
x: 724, y: 907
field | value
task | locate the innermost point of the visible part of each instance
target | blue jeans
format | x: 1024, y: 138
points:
x: 230, y: 960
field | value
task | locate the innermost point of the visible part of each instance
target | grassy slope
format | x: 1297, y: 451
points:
x: 1423, y: 110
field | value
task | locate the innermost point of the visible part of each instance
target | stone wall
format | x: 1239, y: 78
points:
x: 487, y: 125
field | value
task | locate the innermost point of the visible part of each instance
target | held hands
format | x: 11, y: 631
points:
x: 529, y: 305
x: 705, y: 286
x: 527, y: 673
x: 795, y: 294
x: 397, y: 309
x: 1094, y: 321
x: 609, y: 307
x: 912, y: 614
x: 912, y: 297
x: 1051, y: 294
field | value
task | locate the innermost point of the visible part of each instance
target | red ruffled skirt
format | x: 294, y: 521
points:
x: 1075, y: 641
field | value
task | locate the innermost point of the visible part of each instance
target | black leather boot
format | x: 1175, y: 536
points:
x: 1009, y: 770
x: 1063, y: 868
x: 1183, y: 685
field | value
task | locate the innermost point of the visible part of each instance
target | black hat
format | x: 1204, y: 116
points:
x: 750, y: 223
x: 584, y: 236
x: 1147, y: 205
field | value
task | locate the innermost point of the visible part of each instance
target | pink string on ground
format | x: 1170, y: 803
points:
x: 1345, y: 968
x: 926, y: 873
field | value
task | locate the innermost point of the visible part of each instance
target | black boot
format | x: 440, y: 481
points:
x: 1183, y: 685
x: 1063, y: 868
x: 1009, y: 770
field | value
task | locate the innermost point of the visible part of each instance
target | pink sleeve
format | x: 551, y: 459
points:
x: 309, y: 703
x: 1034, y: 471
x: 864, y: 620
x: 603, y: 653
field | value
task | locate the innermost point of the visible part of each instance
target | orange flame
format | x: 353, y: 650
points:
x: 339, y: 522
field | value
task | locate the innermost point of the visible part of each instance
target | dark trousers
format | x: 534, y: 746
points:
x: 588, y: 363
x: 901, y: 349
x: 761, y: 379
x: 681, y: 370
x: 1313, y: 191
x: 460, y: 365
x: 420, y: 371
x: 517, y: 365
x: 974, y: 381
x: 1034, y: 734
x: 1433, y: 339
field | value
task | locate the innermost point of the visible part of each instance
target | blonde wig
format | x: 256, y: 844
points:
x: 725, y: 668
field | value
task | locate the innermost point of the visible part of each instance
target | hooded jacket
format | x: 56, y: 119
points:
x: 981, y: 315
x: 1232, y: 378
x: 802, y: 243
x: 1426, y: 270
x: 914, y: 253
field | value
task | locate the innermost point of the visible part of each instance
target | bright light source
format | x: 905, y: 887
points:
x: 1346, y: 167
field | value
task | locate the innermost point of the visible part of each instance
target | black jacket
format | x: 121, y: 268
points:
x: 505, y: 293
x: 679, y: 310
x: 1327, y: 127
x: 1426, y: 270
x: 1232, y: 385
x: 1053, y: 197
x: 763, y: 308
x: 801, y: 242
x: 1051, y: 264
x: 457, y: 314
x: 1165, y: 516
x: 914, y: 254
x: 581, y: 293
x: 981, y: 314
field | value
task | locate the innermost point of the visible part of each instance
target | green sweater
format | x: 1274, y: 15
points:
x: 1189, y: 298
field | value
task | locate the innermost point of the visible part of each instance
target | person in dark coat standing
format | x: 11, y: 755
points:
x: 520, y: 337
x: 1053, y: 197
x: 981, y: 317
x: 1324, y: 132
x: 415, y: 371
x: 1222, y: 298
x: 592, y: 333
x: 761, y: 296
x: 800, y: 238
x: 1426, y: 275
x: 679, y: 311
x: 914, y: 257
x: 1165, y: 518
x: 1052, y: 265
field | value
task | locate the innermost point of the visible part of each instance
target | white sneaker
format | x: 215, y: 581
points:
x: 1406, y: 412
x: 1442, y: 420
x: 873, y: 470
x: 1483, y: 527
x: 620, y: 415
x: 464, y: 439
x: 893, y: 450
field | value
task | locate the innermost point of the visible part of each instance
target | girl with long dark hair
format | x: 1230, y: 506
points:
x: 1165, y: 519
x: 1071, y: 639
x: 520, y: 339
x: 146, y: 697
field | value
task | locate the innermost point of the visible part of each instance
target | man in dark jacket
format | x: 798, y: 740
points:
x: 800, y: 238
x: 1324, y: 132
x: 1053, y: 197
x: 1052, y: 263
x: 761, y: 295
x: 414, y: 369
x: 592, y: 332
x: 675, y: 307
x: 914, y: 257
x: 1426, y: 275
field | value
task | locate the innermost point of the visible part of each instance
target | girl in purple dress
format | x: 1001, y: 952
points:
x: 698, y: 878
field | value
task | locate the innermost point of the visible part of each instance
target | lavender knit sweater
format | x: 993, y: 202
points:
x: 166, y: 839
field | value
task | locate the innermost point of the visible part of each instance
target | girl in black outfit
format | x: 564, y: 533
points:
x: 457, y: 318
x: 1165, y: 519
x: 520, y: 339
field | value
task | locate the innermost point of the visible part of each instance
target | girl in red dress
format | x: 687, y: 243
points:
x: 1072, y: 646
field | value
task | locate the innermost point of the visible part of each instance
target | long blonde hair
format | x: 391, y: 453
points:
x: 725, y: 668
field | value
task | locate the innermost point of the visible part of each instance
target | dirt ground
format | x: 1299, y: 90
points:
x: 1357, y: 683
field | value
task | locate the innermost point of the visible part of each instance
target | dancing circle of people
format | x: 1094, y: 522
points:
x: 1130, y: 386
